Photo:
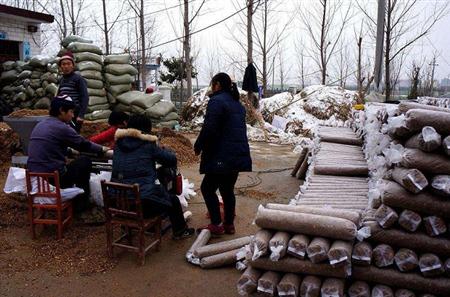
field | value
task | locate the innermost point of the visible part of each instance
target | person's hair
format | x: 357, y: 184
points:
x: 117, y: 118
x: 59, y: 104
x: 226, y: 84
x: 140, y: 122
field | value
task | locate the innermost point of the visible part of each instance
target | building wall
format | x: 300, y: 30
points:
x: 17, y: 30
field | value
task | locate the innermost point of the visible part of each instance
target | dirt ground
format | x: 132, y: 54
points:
x: 78, y: 266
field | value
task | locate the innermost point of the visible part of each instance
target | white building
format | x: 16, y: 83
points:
x: 20, y: 32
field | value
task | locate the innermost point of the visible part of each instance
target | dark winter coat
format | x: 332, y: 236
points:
x: 134, y: 161
x: 223, y: 139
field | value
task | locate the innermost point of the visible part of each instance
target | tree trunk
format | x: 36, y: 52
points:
x: 143, y: 57
x: 323, y: 44
x: 359, y: 71
x: 72, y: 18
x: 187, y: 50
x: 250, y: 45
x: 105, y: 20
x: 264, y: 50
x: 387, y: 70
x: 63, y: 14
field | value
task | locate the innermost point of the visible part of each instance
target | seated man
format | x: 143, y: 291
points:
x: 135, y: 155
x: 116, y: 120
x: 48, y: 147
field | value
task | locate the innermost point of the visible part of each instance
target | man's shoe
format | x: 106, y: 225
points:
x: 216, y: 230
x: 229, y: 229
x: 186, y: 233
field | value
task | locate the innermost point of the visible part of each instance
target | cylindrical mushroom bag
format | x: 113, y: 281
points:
x: 310, y: 286
x: 411, y: 179
x: 259, y: 246
x: 248, y: 282
x: 362, y: 254
x: 297, y: 246
x: 406, y: 260
x: 382, y: 291
x: 447, y: 267
x: 278, y: 245
x: 268, y: 282
x: 430, y: 265
x: 440, y: 184
x: 409, y: 220
x: 332, y: 287
x: 434, y: 225
x: 359, y: 289
x: 404, y: 293
x: 383, y: 255
x: 318, y: 249
x: 386, y: 216
x: 340, y: 252
x: 289, y: 285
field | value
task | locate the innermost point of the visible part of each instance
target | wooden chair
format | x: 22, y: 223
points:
x: 123, y: 208
x: 46, y: 185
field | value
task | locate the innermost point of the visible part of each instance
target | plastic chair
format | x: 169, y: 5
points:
x: 46, y: 185
x: 123, y: 208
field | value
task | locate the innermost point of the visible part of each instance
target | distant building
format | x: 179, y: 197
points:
x: 445, y: 82
x: 20, y: 32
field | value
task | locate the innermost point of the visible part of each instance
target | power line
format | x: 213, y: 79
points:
x: 192, y: 33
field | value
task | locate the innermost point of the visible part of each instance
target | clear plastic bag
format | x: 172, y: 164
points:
x: 430, y: 265
x: 362, y: 254
x: 383, y: 255
x: 297, y: 246
x: 434, y: 225
x: 386, y: 216
x: 318, y: 249
x: 441, y: 185
x: 382, y: 291
x: 409, y: 220
x: 406, y: 260
x: 359, y: 289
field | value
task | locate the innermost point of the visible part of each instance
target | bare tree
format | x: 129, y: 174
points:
x: 138, y: 7
x: 301, y: 63
x: 342, y: 65
x: 107, y: 27
x: 405, y: 24
x: 325, y: 23
x: 414, y: 76
x: 363, y: 82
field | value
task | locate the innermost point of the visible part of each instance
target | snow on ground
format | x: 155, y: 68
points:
x: 300, y: 114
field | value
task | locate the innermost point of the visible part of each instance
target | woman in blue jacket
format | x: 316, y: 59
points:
x: 135, y: 156
x: 225, y: 152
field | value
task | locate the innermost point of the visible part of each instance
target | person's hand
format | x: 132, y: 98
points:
x: 80, y: 120
x: 73, y: 152
x: 109, y: 154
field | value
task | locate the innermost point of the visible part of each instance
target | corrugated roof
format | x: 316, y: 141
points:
x: 37, y: 16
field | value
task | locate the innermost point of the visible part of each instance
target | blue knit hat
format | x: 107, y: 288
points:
x: 60, y: 101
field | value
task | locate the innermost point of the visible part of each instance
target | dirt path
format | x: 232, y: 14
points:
x: 166, y: 273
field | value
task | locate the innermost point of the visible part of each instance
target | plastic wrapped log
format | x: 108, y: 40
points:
x: 301, y: 174
x: 447, y: 267
x: 221, y: 247
x: 289, y: 285
x: 332, y: 287
x: 359, y: 289
x: 430, y: 163
x: 248, y: 282
x: 308, y: 224
x: 259, y: 246
x: 418, y: 242
x: 404, y: 293
x: 416, y: 119
x: 278, y: 245
x: 409, y: 220
x: 446, y: 145
x: 201, y: 240
x: 353, y: 216
x: 383, y: 255
x: 434, y: 225
x: 339, y: 169
x: 430, y: 265
x: 413, y: 281
x: 297, y: 246
x: 299, y: 161
x: 342, y: 140
x: 382, y: 291
x: 403, y: 107
x: 428, y: 140
x: 427, y: 295
x: 318, y: 249
x: 440, y: 184
x: 394, y: 195
x: 386, y: 216
x: 406, y: 260
x: 219, y: 260
x: 362, y: 254
x: 267, y: 283
x: 310, y: 286
x: 411, y: 179
x: 340, y: 252
x: 294, y: 265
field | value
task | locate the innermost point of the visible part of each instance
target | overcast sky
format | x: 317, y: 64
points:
x: 215, y: 48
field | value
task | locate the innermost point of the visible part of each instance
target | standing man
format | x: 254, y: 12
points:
x: 74, y: 86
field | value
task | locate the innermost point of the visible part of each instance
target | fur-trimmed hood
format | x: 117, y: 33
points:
x: 135, y: 133
x: 129, y: 140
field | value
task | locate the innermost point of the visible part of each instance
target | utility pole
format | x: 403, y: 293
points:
x: 433, y: 66
x: 379, y: 45
x: 187, y: 50
x: 250, y: 44
x: 105, y: 21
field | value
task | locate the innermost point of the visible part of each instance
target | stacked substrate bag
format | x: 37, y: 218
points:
x: 300, y: 251
x: 89, y: 62
x: 409, y: 246
x: 30, y: 84
x: 119, y: 75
